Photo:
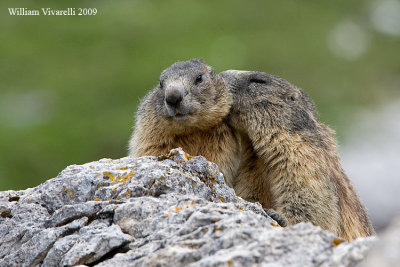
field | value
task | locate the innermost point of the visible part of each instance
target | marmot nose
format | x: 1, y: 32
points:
x: 173, y: 97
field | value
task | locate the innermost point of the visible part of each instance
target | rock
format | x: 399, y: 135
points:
x: 174, y: 210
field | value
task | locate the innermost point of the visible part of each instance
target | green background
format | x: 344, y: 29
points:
x: 69, y: 85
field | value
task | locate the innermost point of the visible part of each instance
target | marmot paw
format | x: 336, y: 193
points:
x: 276, y: 216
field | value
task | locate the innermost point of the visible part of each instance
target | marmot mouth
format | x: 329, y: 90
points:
x: 177, y: 114
x: 180, y: 116
x: 180, y: 119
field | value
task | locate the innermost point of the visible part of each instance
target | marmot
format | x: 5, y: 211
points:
x: 188, y: 109
x: 290, y: 159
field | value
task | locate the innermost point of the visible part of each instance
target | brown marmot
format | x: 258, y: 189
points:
x: 188, y: 109
x: 290, y: 159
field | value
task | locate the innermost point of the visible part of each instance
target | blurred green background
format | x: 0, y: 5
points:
x: 69, y: 85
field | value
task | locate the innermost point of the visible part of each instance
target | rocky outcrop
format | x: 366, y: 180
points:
x: 174, y: 210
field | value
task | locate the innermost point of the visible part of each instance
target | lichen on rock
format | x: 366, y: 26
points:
x: 173, y: 210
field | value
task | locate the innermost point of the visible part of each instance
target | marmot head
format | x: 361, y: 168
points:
x: 272, y: 100
x: 191, y: 95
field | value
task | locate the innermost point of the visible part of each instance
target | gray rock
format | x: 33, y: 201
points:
x: 173, y: 210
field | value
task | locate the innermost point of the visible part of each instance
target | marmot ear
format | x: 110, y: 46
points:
x: 211, y: 71
x: 198, y: 60
x: 292, y: 96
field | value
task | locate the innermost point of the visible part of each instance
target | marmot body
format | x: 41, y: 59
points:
x: 188, y: 109
x: 290, y: 162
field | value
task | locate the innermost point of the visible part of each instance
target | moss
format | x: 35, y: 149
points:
x: 337, y: 241
x: 167, y: 156
x: 108, y: 175
x: 152, y: 183
x: 187, y: 156
x: 65, y: 191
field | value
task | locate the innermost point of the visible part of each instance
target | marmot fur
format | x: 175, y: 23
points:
x: 188, y: 109
x: 290, y: 161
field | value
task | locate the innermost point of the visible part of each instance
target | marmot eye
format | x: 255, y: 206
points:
x: 199, y: 79
x: 161, y: 84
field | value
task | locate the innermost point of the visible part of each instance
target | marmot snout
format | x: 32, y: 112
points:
x: 173, y: 99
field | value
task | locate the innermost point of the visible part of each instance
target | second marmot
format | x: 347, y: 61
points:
x: 290, y: 159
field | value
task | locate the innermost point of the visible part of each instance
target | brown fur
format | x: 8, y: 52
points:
x: 290, y: 161
x: 197, y: 124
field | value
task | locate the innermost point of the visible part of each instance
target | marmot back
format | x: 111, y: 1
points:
x: 290, y: 161
x: 188, y: 109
